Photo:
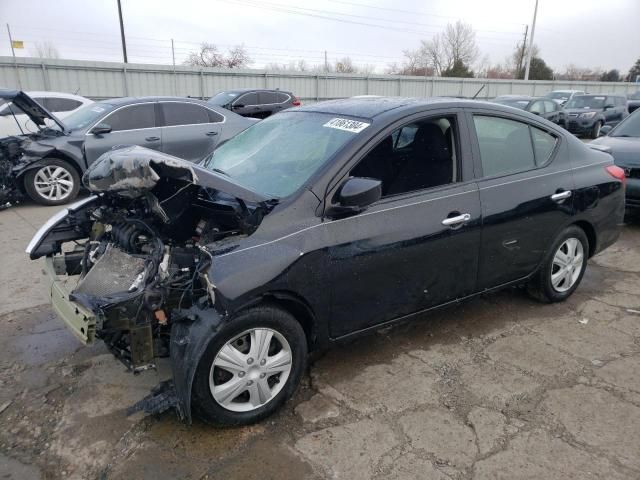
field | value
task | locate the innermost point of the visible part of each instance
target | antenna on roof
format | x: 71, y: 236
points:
x: 478, y: 92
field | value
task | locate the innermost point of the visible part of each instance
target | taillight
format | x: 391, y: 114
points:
x: 616, y: 172
x: 296, y: 102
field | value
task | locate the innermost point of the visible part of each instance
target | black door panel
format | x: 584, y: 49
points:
x: 399, y: 258
x: 520, y: 218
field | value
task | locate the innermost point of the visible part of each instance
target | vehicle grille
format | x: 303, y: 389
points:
x: 632, y: 172
x: 114, y: 272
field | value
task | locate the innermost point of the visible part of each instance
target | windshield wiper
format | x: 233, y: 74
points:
x: 217, y: 170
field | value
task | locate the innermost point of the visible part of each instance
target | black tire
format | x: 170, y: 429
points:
x: 71, y: 174
x: 208, y: 409
x: 595, y: 130
x: 540, y: 286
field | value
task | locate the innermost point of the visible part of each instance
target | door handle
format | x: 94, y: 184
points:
x: 457, y: 220
x: 152, y: 139
x: 560, y: 196
x: 211, y: 134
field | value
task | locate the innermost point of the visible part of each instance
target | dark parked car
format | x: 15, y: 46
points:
x: 544, y: 107
x: 623, y: 143
x: 47, y: 164
x: 377, y: 210
x: 256, y: 103
x: 587, y: 114
x: 633, y: 101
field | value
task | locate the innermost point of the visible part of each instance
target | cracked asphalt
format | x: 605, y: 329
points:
x: 500, y: 387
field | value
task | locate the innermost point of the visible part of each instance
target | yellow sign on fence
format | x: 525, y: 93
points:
x: 17, y: 44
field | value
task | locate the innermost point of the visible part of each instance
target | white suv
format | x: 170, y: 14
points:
x: 60, y: 104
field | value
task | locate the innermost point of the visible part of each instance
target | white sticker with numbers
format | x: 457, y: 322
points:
x: 347, y: 125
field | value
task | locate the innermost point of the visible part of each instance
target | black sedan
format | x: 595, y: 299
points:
x: 380, y: 210
x: 544, y: 107
x: 623, y: 143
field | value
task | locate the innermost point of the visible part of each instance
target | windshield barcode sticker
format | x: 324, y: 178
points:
x: 346, y: 125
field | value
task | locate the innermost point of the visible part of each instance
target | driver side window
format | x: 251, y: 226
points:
x: 414, y: 157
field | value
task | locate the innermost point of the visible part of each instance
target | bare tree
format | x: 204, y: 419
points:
x: 345, y: 65
x: 574, y: 72
x: 238, y: 57
x: 210, y: 56
x: 456, y: 45
x: 292, y: 66
x: 46, y: 49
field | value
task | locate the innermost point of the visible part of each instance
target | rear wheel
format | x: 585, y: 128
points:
x: 595, y: 130
x: 563, y: 267
x: 55, y: 182
x: 250, y: 368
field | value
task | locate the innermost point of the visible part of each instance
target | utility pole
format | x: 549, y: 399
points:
x: 124, y: 42
x: 533, y: 31
x: 523, y: 50
x: 175, y: 81
x: 15, y: 62
x: 326, y: 64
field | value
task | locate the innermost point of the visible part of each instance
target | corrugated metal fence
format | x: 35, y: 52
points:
x: 99, y: 80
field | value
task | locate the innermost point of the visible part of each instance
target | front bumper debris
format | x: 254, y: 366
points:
x: 80, y: 320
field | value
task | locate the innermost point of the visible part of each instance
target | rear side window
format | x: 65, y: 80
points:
x: 132, y: 118
x: 550, y: 106
x: 54, y: 104
x: 282, y: 97
x: 214, y: 117
x: 176, y: 113
x: 247, y: 99
x: 267, y: 98
x: 508, y: 146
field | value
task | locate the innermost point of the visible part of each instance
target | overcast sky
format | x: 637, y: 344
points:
x: 589, y: 33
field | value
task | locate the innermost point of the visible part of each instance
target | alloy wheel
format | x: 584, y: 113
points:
x: 53, y: 182
x: 250, y: 369
x: 568, y: 262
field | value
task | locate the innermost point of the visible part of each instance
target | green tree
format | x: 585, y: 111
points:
x: 458, y: 69
x: 610, y: 76
x: 635, y: 71
x: 539, y: 70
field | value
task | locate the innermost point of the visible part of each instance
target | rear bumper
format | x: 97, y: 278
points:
x: 78, y: 319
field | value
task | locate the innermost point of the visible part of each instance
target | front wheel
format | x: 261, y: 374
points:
x: 563, y: 267
x: 54, y: 183
x: 250, y: 368
x: 595, y: 131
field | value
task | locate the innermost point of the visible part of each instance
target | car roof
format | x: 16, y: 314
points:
x: 370, y: 107
x: 128, y: 100
x: 515, y: 97
x: 33, y: 93
x: 242, y: 90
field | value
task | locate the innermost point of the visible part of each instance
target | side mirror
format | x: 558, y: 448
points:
x: 608, y: 106
x: 101, y: 129
x: 604, y: 130
x: 355, y: 195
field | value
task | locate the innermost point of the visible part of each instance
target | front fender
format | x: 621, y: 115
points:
x: 190, y: 335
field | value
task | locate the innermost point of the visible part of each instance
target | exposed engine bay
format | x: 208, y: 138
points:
x: 138, y: 253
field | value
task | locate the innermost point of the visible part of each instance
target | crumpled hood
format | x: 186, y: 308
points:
x: 625, y: 150
x: 36, y: 112
x: 132, y: 170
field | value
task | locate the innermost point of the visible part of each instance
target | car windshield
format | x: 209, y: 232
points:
x: 587, y: 101
x: 558, y: 95
x: 629, y: 128
x: 518, y: 103
x: 86, y: 115
x: 276, y: 156
x: 223, y: 98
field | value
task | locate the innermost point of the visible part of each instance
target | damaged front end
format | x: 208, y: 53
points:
x: 130, y: 262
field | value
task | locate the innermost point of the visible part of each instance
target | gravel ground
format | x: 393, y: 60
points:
x: 500, y: 387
